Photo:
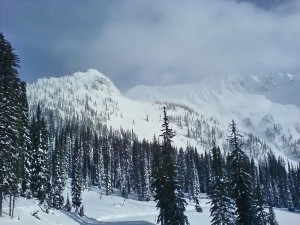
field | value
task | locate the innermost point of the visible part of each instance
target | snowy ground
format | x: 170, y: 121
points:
x: 114, y: 210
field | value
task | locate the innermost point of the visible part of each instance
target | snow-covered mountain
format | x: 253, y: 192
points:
x: 265, y: 108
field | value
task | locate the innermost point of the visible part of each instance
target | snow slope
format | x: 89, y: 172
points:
x: 235, y: 97
x: 114, y: 210
x: 257, y: 104
x: 267, y: 106
x: 93, y: 96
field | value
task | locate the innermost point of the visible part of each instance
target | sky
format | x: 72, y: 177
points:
x: 153, y: 42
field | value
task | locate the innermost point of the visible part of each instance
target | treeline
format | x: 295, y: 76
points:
x: 117, y: 160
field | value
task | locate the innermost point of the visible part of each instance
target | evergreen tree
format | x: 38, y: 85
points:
x: 290, y: 204
x: 146, y: 170
x: 58, y: 183
x: 241, y: 181
x: 167, y: 190
x: 181, y: 163
x: 107, y: 165
x: 25, y: 156
x: 272, y: 218
x: 155, y: 162
x: 275, y: 195
x: 141, y: 169
x: 68, y: 206
x: 11, y: 120
x: 192, y: 176
x: 40, y: 177
x: 96, y: 176
x: 222, y: 206
x: 206, y: 168
x: 76, y: 183
x: 85, y: 139
x: 126, y: 163
x: 261, y: 215
x: 136, y: 151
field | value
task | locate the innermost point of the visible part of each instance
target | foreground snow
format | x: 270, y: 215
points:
x: 114, y: 210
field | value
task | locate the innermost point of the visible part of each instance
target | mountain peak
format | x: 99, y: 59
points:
x: 94, y: 80
x: 90, y: 80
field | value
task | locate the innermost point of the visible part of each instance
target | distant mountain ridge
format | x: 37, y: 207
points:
x: 280, y: 88
x: 240, y: 98
x: 199, y: 113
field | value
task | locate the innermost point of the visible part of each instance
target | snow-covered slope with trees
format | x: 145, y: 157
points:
x: 93, y: 98
x: 200, y: 114
x: 265, y: 106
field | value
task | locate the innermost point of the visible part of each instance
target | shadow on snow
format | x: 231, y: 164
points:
x: 91, y: 221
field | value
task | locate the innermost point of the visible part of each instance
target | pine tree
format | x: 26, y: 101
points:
x: 181, y: 163
x: 11, y: 120
x: 275, y: 195
x: 96, y: 176
x: 58, y: 183
x: 206, y: 168
x: 107, y: 165
x: 241, y: 181
x: 40, y: 177
x: 192, y: 176
x: 145, y: 167
x: 167, y: 190
x: 85, y: 136
x: 289, y: 200
x: 136, y: 151
x: 76, y: 183
x: 271, y: 217
x: 141, y: 169
x: 25, y: 157
x: 68, y: 206
x: 126, y: 163
x: 155, y: 162
x: 222, y: 206
x: 261, y: 215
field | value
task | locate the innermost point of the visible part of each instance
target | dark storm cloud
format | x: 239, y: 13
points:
x: 269, y: 4
x: 152, y: 42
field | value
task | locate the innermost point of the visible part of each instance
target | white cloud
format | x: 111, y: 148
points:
x: 176, y: 41
x: 166, y: 42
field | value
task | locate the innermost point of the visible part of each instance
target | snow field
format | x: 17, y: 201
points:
x: 114, y: 210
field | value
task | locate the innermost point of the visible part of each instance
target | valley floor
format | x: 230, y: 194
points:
x: 114, y: 210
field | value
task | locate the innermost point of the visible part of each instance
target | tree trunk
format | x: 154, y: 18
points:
x: 10, y: 204
x: 13, y: 206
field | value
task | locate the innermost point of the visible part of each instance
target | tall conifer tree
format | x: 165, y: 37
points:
x: 222, y: 206
x: 25, y: 165
x: 76, y: 182
x: 11, y: 116
x: 241, y: 181
x: 40, y: 177
x: 166, y: 186
x: 58, y: 183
